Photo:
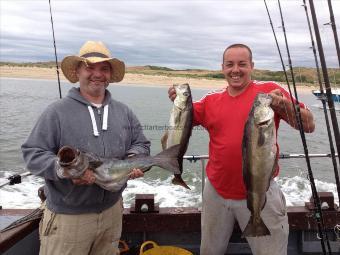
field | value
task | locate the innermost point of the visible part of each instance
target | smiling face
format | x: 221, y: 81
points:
x: 93, y: 80
x: 237, y: 67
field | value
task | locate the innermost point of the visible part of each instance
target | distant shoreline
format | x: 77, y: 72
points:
x: 129, y: 79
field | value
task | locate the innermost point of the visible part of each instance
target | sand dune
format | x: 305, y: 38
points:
x: 129, y: 79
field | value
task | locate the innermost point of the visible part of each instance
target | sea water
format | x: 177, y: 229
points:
x: 23, y: 100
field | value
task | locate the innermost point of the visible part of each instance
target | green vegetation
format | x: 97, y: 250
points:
x: 303, y: 75
x: 159, y: 68
x: 49, y: 64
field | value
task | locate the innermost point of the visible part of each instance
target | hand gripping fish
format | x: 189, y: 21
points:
x: 112, y: 174
x: 259, y: 155
x: 180, y: 127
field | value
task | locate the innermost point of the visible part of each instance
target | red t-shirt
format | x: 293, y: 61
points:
x: 224, y: 117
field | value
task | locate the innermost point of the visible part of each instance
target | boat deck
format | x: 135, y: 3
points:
x: 179, y: 226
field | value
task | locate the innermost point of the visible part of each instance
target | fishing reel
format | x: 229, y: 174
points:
x: 14, y: 179
x: 337, y: 231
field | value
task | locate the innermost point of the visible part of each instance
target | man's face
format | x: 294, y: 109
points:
x: 237, y: 68
x: 94, y: 78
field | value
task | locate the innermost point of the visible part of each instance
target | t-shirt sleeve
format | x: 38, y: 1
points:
x: 199, y: 112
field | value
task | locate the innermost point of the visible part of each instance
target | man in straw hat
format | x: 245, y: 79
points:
x: 80, y: 217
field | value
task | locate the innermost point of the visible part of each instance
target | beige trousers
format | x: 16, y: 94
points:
x: 81, y: 234
x: 219, y: 216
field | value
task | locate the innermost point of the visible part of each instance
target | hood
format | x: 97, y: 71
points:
x: 74, y: 93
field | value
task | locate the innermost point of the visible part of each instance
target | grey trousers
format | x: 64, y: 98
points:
x: 219, y: 215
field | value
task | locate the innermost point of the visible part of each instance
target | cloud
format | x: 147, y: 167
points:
x: 177, y: 34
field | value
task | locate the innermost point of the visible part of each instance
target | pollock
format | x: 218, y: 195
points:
x: 259, y: 158
x: 180, y: 127
x: 112, y: 174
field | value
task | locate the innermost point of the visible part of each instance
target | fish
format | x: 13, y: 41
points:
x: 180, y: 127
x: 110, y: 173
x: 259, y: 161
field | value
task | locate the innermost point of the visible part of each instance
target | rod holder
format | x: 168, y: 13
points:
x: 326, y: 198
x: 144, y: 203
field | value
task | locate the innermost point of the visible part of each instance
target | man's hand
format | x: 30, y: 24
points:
x: 285, y: 109
x: 277, y: 99
x: 136, y: 173
x: 87, y: 178
x: 172, y: 93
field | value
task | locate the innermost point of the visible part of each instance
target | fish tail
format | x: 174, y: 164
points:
x: 177, y: 180
x: 255, y: 228
x: 168, y: 159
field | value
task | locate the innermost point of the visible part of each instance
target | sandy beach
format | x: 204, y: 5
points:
x: 130, y: 78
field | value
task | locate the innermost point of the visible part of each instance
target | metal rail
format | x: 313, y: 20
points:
x: 16, y: 178
x: 281, y: 156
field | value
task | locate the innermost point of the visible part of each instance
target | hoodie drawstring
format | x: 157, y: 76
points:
x: 105, y: 117
x: 93, y: 119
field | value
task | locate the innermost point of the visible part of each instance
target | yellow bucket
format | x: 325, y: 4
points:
x: 162, y: 250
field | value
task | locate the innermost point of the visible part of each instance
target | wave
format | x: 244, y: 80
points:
x: 296, y: 189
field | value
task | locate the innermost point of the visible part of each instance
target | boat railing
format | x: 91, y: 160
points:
x: 203, y: 158
x: 16, y: 178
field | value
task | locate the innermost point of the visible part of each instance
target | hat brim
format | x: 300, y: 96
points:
x: 70, y: 64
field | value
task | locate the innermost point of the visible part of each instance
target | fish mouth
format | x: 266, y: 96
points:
x: 67, y: 156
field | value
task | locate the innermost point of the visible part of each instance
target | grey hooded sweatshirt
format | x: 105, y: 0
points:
x: 111, y: 131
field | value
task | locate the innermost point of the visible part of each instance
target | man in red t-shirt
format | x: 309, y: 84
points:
x: 224, y: 113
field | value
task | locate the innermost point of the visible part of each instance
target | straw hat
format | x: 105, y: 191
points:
x: 92, y: 52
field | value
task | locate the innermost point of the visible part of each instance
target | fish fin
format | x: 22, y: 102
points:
x: 245, y: 147
x: 168, y: 159
x: 276, y: 164
x: 95, y: 164
x: 134, y: 156
x: 177, y: 180
x: 254, y: 229
x: 164, y: 139
x: 94, y: 160
x: 171, y: 152
x: 262, y: 139
x: 265, y: 201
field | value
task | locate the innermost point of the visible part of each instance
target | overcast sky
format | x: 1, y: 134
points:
x: 176, y: 34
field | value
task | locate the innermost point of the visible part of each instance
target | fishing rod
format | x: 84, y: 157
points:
x: 318, y: 212
x: 278, y: 47
x: 55, y: 50
x: 332, y: 23
x: 331, y: 145
x: 330, y: 100
x: 297, y: 112
x: 279, y: 51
